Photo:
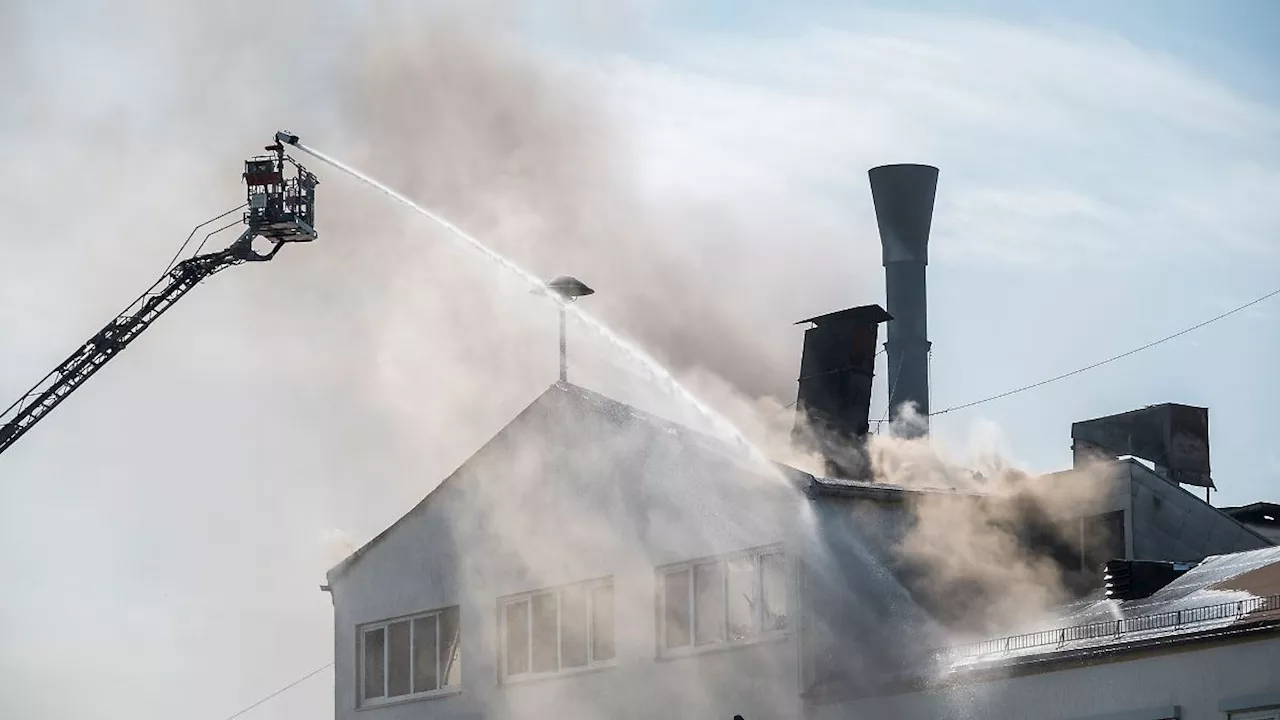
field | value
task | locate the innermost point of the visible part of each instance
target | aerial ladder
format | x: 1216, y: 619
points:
x: 279, y: 210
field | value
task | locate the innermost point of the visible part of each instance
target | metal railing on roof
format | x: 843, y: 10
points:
x: 1251, y: 609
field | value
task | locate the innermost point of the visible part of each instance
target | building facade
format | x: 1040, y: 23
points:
x: 547, y: 578
x: 592, y: 560
x: 1205, y: 647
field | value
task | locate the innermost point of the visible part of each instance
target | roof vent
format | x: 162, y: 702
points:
x: 1137, y: 579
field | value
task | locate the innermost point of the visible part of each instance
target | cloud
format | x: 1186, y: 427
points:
x: 1057, y: 146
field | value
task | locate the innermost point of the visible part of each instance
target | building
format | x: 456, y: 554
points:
x: 593, y: 560
x: 1261, y: 517
x: 1144, y: 516
x: 1207, y: 645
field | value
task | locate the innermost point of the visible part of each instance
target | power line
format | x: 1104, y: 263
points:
x: 1111, y: 359
x: 299, y: 681
x: 892, y: 386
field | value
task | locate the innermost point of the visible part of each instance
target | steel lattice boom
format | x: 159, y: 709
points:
x: 281, y: 209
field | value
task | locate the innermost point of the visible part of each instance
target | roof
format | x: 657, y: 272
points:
x: 568, y: 403
x: 339, y: 569
x: 1258, y: 512
x: 868, y: 314
x: 1240, y: 591
x: 1171, y: 523
x: 561, y: 408
x: 877, y: 491
x: 1262, y: 518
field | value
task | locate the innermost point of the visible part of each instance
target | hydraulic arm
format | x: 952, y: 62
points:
x: 280, y: 209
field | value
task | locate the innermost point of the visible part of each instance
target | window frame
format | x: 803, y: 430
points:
x: 760, y: 636
x: 1262, y: 713
x: 589, y: 588
x: 362, y: 668
x: 1243, y: 707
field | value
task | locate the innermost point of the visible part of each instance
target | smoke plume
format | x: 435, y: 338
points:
x: 983, y: 546
x: 168, y: 525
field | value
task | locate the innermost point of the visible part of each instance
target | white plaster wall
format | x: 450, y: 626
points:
x: 414, y: 569
x: 518, y: 520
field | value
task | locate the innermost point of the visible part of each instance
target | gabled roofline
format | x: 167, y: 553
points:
x: 601, y: 403
x: 837, y: 487
x: 1222, y: 512
x: 803, y: 481
x: 869, y: 314
x: 340, y: 569
x: 1261, y: 506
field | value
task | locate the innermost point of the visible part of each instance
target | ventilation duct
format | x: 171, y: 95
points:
x: 1137, y: 579
x: 834, y: 396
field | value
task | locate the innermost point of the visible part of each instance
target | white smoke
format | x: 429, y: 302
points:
x: 166, y: 528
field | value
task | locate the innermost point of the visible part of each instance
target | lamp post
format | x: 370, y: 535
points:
x: 568, y: 289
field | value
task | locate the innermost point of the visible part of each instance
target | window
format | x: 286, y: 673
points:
x: 727, y: 600
x: 411, y: 657
x: 557, y: 630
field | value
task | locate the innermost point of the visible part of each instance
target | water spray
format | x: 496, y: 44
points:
x: 651, y: 366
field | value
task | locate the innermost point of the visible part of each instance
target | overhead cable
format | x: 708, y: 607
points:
x: 1111, y: 359
x: 299, y: 681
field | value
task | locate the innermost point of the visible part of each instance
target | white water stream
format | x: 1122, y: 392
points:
x: 654, y: 369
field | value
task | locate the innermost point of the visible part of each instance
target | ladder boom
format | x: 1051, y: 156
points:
x: 40, y: 400
x: 280, y: 210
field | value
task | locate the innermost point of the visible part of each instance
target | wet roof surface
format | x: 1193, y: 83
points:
x: 1223, y: 591
x: 838, y: 484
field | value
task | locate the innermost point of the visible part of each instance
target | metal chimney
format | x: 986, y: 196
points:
x: 903, y: 197
x: 834, y: 396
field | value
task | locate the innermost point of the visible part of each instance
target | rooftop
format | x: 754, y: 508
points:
x: 567, y: 410
x: 1223, y: 595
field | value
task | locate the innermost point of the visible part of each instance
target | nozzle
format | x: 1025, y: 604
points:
x: 286, y: 137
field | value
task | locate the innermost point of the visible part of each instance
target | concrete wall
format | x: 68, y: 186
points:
x: 860, y: 622
x: 1164, y: 521
x: 413, y: 569
x: 402, y: 576
x: 547, y: 504
x: 1199, y: 682
x: 1170, y: 523
x: 578, y: 488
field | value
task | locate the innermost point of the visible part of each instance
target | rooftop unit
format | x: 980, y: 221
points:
x: 1175, y: 438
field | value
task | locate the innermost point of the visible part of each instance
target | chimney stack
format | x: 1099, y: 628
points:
x: 835, y: 387
x: 903, y: 197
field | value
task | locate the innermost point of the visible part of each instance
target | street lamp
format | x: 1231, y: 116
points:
x: 568, y: 289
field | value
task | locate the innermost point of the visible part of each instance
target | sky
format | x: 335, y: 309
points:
x: 1110, y: 174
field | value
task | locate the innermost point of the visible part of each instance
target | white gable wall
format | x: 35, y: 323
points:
x: 526, y: 515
